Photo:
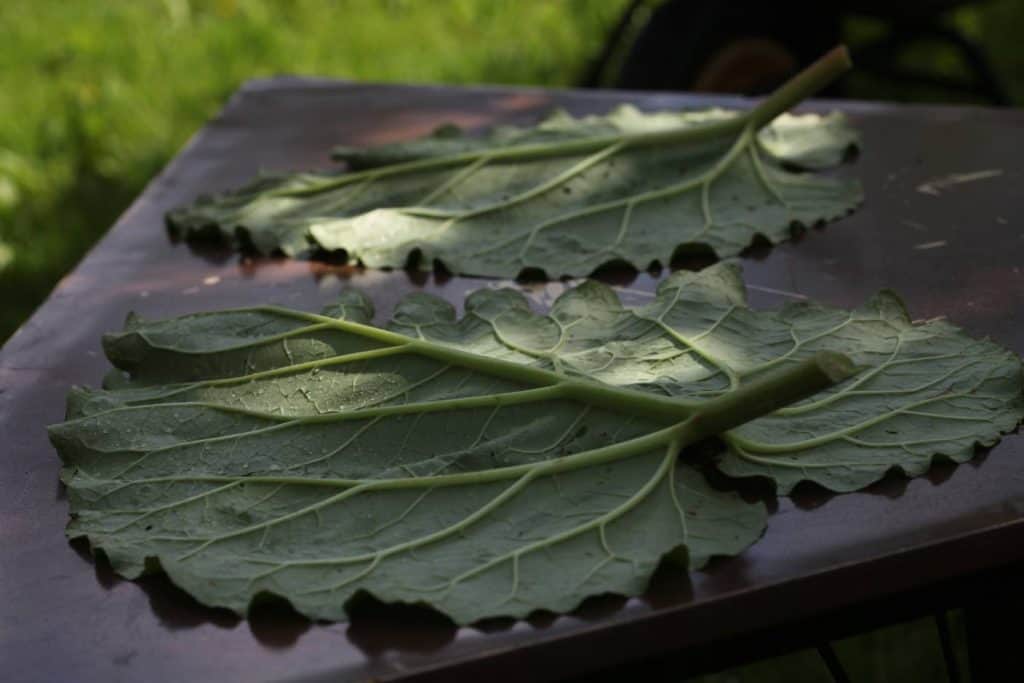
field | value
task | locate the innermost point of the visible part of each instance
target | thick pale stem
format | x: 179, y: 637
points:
x: 826, y: 69
x: 768, y: 394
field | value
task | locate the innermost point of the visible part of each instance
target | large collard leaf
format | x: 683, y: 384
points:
x: 927, y: 388
x: 565, y: 197
x: 267, y: 450
x: 273, y: 451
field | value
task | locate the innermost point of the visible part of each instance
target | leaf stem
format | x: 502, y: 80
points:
x: 607, y: 396
x: 826, y: 69
x: 803, y: 85
x: 769, y: 393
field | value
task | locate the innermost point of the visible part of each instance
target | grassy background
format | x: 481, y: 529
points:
x: 97, y: 95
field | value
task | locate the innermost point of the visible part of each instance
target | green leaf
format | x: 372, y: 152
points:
x: 564, y: 197
x: 274, y: 451
x: 473, y: 463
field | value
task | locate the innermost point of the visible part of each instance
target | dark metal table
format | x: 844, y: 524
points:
x: 950, y: 248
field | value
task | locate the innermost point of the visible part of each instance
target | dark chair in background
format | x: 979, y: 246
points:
x: 749, y: 47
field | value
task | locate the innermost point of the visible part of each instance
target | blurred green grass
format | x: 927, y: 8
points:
x: 97, y: 96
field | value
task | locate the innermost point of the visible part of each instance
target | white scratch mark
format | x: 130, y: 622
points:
x: 780, y: 292
x: 934, y: 186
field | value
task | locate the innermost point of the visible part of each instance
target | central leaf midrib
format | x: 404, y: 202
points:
x: 558, y: 148
x: 616, y: 398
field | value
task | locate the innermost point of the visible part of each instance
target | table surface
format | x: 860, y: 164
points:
x: 955, y: 253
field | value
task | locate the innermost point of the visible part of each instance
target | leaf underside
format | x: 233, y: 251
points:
x: 927, y: 388
x: 273, y: 451
x: 563, y: 214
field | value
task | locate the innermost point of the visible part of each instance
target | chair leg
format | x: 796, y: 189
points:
x: 946, y: 641
x: 993, y: 641
x: 832, y: 663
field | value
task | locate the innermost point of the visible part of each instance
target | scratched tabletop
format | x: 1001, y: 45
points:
x: 942, y: 224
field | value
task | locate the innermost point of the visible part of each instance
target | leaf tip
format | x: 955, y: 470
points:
x: 840, y: 54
